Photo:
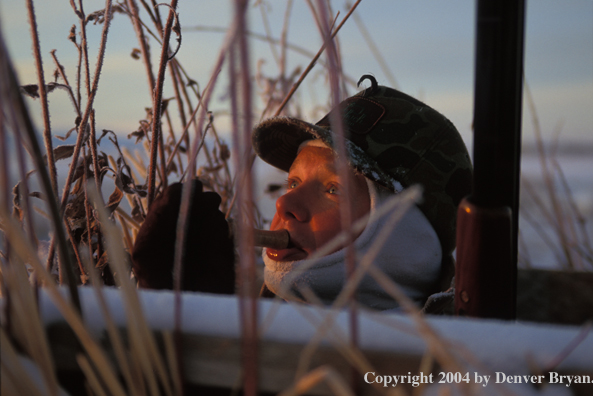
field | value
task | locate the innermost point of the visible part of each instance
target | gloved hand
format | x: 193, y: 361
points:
x: 209, y: 264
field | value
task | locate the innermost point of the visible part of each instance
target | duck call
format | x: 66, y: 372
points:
x: 279, y: 239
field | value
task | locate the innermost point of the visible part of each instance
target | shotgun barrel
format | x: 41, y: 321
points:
x: 487, y: 221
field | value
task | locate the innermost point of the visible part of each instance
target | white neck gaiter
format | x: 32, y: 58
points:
x: 411, y: 257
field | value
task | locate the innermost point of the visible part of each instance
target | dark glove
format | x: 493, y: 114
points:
x: 209, y: 264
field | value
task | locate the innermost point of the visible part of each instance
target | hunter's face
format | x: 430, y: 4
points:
x: 310, y: 208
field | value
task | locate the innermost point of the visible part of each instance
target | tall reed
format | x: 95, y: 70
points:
x: 554, y: 215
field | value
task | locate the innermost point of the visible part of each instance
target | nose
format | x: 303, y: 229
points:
x: 293, y: 206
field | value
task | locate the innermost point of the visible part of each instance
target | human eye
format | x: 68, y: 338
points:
x: 333, y: 189
x: 291, y: 184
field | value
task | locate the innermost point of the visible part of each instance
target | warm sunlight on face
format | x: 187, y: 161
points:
x: 310, y: 209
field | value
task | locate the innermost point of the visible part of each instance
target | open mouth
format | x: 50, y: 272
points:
x: 291, y: 253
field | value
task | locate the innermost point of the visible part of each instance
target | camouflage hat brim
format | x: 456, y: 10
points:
x: 276, y: 142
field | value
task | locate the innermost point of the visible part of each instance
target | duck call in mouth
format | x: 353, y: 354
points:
x: 278, y: 240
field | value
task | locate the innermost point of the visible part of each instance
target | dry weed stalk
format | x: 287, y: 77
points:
x: 157, y: 142
x: 17, y: 120
x: 51, y: 164
x: 561, y: 214
x: 342, y: 166
x: 321, y: 374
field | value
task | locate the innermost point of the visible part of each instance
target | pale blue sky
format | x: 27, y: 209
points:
x: 428, y: 45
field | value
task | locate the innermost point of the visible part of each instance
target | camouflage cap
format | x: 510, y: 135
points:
x: 392, y: 139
